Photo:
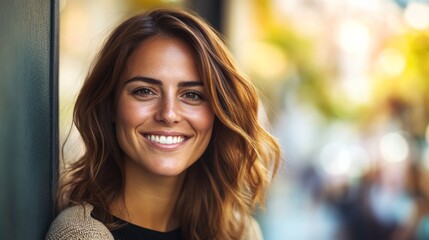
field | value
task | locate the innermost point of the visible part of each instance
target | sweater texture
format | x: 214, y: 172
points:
x: 76, y: 223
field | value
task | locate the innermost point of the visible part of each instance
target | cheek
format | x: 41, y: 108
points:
x: 203, y: 121
x: 129, y: 113
x: 123, y: 115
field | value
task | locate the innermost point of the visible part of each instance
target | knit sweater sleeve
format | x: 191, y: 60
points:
x: 76, y: 223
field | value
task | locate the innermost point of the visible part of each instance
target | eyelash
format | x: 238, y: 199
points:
x: 197, y: 94
x: 142, y: 91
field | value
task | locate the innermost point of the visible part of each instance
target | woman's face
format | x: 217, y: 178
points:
x: 163, y: 119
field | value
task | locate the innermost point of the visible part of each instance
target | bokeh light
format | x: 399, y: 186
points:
x: 417, y: 15
x: 394, y: 147
x: 340, y: 159
x: 392, y: 62
x: 353, y: 36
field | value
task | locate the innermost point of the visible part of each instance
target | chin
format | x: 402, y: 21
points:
x: 169, y: 167
x: 168, y: 171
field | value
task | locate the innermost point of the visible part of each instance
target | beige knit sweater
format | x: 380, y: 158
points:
x: 76, y: 223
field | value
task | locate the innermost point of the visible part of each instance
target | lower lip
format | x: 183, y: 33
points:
x: 168, y: 147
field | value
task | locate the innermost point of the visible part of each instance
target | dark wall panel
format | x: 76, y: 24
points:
x: 211, y: 11
x: 28, y: 116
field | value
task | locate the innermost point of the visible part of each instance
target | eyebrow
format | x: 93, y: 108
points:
x: 159, y: 82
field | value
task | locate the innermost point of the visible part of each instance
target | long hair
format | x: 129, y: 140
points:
x: 231, y: 178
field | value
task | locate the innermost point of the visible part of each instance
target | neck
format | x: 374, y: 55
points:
x: 149, y: 200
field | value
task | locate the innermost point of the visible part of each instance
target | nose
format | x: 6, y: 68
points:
x: 168, y: 112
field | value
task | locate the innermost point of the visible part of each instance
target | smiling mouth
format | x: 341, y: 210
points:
x: 165, y: 139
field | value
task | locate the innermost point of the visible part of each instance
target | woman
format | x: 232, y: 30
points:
x: 174, y: 148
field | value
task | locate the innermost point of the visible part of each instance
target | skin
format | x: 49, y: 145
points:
x: 160, y: 94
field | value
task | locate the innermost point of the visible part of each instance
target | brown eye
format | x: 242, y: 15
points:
x: 193, y: 96
x: 142, y: 91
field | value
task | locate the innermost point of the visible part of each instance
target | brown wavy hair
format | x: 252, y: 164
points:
x: 231, y: 178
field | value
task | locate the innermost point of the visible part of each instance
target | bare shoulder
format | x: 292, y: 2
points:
x: 76, y: 223
x: 253, y: 231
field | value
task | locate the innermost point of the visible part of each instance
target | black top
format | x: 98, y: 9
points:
x: 130, y: 231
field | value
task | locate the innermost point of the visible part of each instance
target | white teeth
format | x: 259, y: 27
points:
x: 165, y: 139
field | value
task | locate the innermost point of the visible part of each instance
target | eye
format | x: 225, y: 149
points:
x: 142, y: 92
x: 193, y: 96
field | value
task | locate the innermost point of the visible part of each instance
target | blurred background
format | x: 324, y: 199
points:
x: 345, y: 87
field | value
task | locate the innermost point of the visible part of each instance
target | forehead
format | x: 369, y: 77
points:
x: 159, y: 54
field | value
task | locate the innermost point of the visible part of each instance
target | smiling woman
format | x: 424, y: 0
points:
x: 174, y: 147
